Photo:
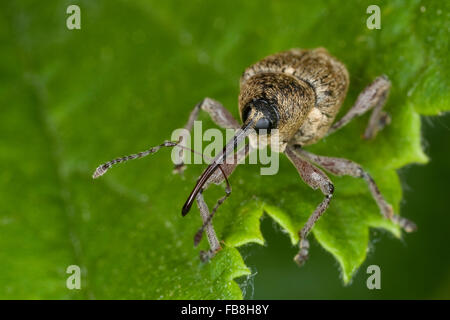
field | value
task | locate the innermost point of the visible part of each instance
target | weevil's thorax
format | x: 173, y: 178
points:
x: 283, y: 99
x: 315, y: 70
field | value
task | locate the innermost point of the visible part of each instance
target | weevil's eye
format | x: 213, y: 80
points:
x: 267, y: 111
x: 263, y: 123
x: 246, y: 113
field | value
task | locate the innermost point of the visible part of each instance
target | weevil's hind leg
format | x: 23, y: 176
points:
x: 218, y: 113
x: 340, y: 167
x: 373, y: 97
x: 316, y: 179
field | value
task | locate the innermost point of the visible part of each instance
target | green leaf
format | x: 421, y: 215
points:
x: 73, y: 99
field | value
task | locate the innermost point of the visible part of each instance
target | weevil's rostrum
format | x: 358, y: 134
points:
x: 298, y: 93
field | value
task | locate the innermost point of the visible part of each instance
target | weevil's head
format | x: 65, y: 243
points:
x: 277, y: 104
x: 272, y: 106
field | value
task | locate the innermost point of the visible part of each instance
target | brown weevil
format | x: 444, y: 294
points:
x: 299, y: 93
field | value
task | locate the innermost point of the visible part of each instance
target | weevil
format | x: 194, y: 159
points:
x: 298, y: 92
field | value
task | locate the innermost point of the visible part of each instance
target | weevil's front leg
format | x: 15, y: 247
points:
x: 373, y: 97
x: 216, y: 178
x: 340, y: 167
x: 218, y: 113
x: 209, y: 229
x: 316, y: 179
x: 223, y: 118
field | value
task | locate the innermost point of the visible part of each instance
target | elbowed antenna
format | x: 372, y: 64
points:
x: 228, y: 149
x: 101, y: 170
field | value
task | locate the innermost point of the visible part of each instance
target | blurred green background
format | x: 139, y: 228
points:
x: 71, y: 99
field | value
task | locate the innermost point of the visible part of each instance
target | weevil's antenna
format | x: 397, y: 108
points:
x: 101, y: 170
x: 228, y: 149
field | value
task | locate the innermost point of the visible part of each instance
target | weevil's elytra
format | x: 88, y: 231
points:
x: 299, y: 93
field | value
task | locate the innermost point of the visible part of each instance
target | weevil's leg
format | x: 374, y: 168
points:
x: 217, y: 177
x: 340, y: 167
x: 316, y: 179
x: 218, y: 113
x: 373, y: 97
x: 207, y: 221
x: 209, y: 229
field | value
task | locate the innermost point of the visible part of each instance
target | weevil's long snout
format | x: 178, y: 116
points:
x: 220, y: 158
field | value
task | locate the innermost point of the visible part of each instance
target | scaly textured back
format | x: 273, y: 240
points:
x: 326, y: 75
